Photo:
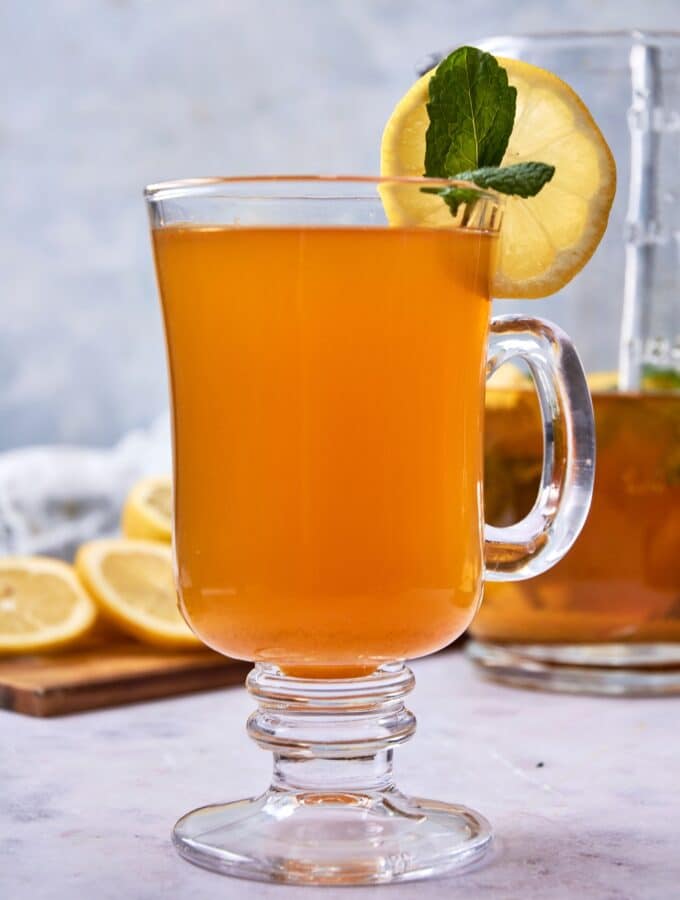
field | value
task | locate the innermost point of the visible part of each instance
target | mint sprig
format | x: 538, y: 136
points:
x: 455, y: 196
x: 660, y: 378
x: 472, y: 114
x: 523, y: 179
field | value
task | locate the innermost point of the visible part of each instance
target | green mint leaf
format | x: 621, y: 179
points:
x: 471, y: 111
x: 658, y: 378
x: 523, y: 179
x: 454, y: 196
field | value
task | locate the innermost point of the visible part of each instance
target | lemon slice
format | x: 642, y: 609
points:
x: 603, y: 382
x: 147, y: 513
x: 43, y: 605
x: 132, y: 583
x: 503, y: 386
x: 545, y: 240
x: 508, y: 377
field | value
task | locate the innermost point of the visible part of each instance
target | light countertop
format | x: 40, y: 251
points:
x: 88, y: 801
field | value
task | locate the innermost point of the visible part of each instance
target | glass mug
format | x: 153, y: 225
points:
x: 327, y: 378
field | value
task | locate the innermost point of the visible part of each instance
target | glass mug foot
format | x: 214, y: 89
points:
x: 332, y: 814
x: 624, y: 670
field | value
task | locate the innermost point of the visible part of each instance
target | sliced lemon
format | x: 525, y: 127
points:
x: 43, y: 605
x: 545, y: 240
x: 603, y: 382
x: 147, y: 513
x: 503, y: 386
x: 132, y: 583
x: 507, y: 377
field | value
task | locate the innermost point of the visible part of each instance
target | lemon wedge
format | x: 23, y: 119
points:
x: 545, y: 240
x: 147, y: 513
x: 43, y: 605
x: 132, y: 583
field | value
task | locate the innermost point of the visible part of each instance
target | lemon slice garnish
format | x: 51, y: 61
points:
x: 545, y: 240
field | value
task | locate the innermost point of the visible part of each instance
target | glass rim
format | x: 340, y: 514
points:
x: 185, y: 187
x: 662, y: 39
x: 650, y: 36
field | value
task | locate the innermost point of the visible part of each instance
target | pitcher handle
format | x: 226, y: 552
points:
x: 545, y: 534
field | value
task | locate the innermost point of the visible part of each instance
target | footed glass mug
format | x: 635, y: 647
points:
x: 327, y: 377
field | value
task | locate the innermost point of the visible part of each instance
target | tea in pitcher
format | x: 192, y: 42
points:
x: 621, y: 581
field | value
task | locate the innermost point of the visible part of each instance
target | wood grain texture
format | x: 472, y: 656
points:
x: 109, y: 675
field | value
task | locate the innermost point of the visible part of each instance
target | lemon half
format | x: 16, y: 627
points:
x: 147, y: 513
x: 43, y: 605
x: 133, y: 584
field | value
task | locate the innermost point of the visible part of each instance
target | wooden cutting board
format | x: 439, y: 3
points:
x: 109, y: 674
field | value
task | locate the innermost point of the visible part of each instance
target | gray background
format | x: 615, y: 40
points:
x: 103, y: 96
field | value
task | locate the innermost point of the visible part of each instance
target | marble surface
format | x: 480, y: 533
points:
x: 88, y: 801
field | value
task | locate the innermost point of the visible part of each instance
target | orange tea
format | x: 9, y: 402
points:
x: 326, y: 389
x: 621, y: 580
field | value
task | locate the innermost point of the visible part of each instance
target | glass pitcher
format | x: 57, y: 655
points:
x: 606, y: 618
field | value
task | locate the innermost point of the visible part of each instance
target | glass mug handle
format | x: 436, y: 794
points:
x: 546, y: 533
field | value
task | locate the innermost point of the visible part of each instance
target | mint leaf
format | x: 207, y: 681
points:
x: 454, y: 196
x: 523, y: 179
x: 471, y: 111
x: 659, y: 378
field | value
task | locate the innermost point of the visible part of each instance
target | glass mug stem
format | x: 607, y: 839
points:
x: 332, y: 814
x: 297, y: 720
